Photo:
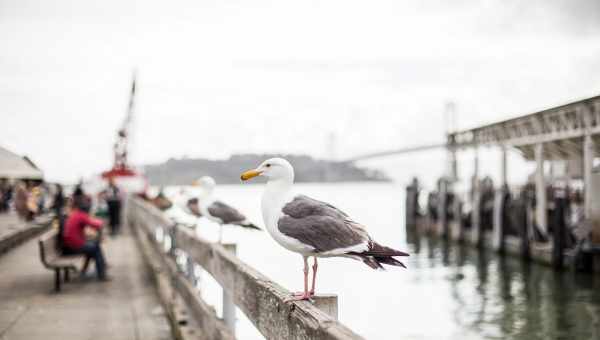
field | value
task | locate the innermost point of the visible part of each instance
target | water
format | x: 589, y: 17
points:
x: 447, y: 292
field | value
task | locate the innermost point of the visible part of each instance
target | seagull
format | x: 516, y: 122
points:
x: 192, y: 207
x: 313, y: 228
x: 218, y: 211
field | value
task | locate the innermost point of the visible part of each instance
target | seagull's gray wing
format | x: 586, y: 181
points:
x: 320, y: 225
x: 192, y: 207
x: 226, y: 213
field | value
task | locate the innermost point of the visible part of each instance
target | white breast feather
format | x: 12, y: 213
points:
x: 272, y: 212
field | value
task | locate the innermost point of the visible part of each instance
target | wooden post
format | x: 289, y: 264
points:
x: 540, y: 190
x: 228, y: 304
x: 459, y: 228
x: 588, y: 160
x: 526, y: 227
x: 328, y: 303
x: 475, y: 200
x: 498, y: 221
x: 503, y: 166
x: 594, y: 197
x: 442, y: 208
x: 558, y: 232
x: 499, y: 200
x: 412, y: 196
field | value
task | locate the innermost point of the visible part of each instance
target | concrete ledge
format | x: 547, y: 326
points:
x: 20, y: 234
x: 173, y: 305
x: 190, y: 317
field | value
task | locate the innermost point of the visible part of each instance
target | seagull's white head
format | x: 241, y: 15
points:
x: 206, y: 183
x: 273, y: 169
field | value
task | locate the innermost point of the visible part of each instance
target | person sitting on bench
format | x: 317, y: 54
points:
x: 76, y: 234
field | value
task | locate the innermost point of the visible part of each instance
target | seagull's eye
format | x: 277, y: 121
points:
x: 268, y: 165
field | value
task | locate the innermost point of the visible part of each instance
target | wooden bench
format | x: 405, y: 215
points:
x: 51, y: 258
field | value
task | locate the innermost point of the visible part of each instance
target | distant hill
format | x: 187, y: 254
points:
x: 307, y: 169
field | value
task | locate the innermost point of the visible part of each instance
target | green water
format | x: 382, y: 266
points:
x: 498, y: 297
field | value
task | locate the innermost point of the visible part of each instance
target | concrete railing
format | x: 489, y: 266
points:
x: 258, y: 297
x: 14, y: 231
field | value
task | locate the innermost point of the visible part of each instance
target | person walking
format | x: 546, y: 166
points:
x: 113, y: 201
x: 21, y: 198
x: 58, y: 201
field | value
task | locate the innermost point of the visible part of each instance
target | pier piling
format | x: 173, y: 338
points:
x: 442, y: 226
x: 228, y: 304
x: 559, y: 232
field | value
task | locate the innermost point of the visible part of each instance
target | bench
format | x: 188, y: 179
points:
x: 51, y: 258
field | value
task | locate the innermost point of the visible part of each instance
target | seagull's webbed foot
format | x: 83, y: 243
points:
x: 296, y: 294
x: 299, y: 297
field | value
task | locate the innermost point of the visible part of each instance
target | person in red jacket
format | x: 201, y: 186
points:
x: 74, y: 235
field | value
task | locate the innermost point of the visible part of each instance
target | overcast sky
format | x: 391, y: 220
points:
x: 222, y: 77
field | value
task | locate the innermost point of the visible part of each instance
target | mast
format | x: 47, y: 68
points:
x: 122, y: 143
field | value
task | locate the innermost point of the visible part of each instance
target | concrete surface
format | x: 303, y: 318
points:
x: 125, y: 308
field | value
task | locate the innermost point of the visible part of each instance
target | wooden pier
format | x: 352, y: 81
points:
x: 125, y: 308
x: 570, y: 134
x: 152, y: 294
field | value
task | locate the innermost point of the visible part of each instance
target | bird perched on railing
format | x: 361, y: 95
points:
x: 313, y: 228
x: 192, y: 207
x: 216, y: 210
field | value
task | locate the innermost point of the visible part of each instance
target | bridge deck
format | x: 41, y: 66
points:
x: 125, y: 308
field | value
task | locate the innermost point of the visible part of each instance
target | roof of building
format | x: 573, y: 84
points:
x: 17, y: 167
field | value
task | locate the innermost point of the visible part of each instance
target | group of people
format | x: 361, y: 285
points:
x: 29, y: 198
x: 79, y: 231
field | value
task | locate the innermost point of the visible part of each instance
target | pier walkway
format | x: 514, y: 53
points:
x: 125, y: 308
x: 153, y: 292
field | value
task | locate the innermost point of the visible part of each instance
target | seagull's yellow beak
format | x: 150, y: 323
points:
x: 195, y: 183
x: 250, y: 174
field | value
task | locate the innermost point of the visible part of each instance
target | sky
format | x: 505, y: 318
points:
x: 331, y: 79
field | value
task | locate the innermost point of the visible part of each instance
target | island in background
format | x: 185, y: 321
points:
x: 307, y: 169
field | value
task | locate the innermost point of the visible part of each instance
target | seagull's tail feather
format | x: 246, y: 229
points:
x: 377, y: 250
x: 377, y: 255
x: 247, y: 225
x: 371, y: 262
x: 390, y: 261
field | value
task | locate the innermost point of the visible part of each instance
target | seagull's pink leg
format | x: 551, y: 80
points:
x: 314, y: 278
x: 306, y: 294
